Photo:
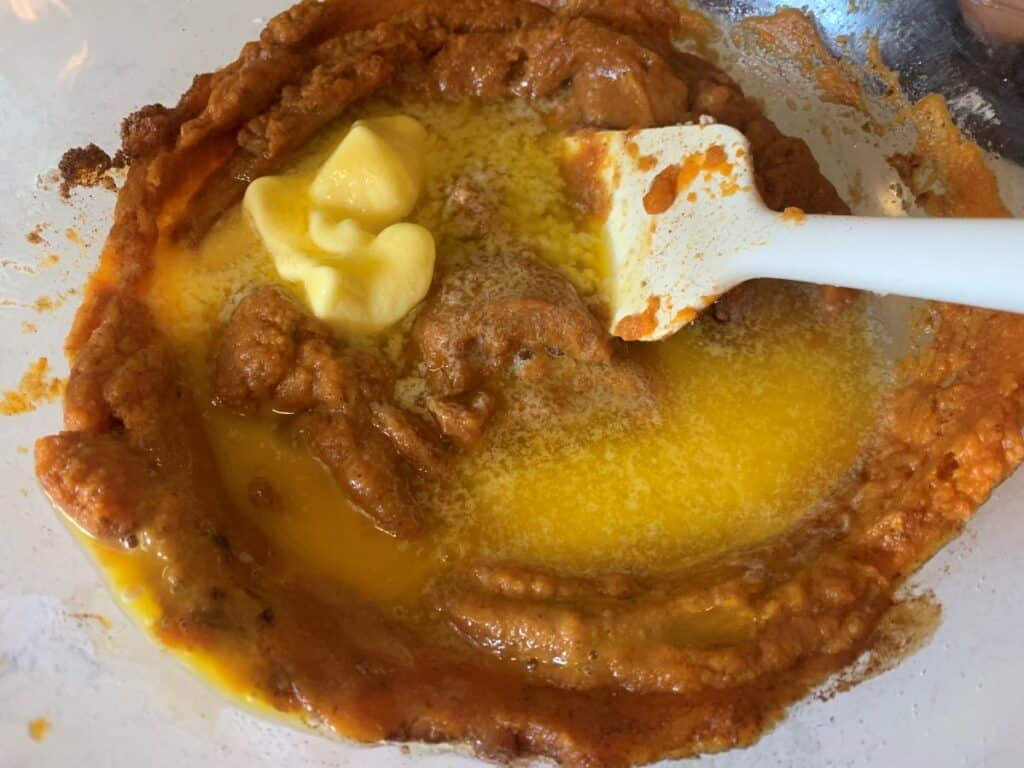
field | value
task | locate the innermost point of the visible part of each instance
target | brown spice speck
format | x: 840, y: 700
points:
x: 35, y: 388
x: 83, y: 616
x: 16, y: 266
x: 50, y: 303
x: 35, y: 237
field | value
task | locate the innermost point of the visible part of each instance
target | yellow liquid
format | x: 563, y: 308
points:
x: 756, y: 423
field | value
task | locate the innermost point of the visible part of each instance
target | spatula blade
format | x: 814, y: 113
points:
x: 683, y: 200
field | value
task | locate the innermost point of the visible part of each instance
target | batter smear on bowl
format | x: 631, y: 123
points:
x: 345, y: 421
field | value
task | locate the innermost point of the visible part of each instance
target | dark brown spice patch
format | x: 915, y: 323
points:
x: 85, y: 167
x: 35, y: 237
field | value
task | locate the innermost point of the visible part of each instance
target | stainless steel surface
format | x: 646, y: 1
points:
x: 928, y: 44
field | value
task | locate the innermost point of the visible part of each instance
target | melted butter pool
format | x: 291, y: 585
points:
x: 758, y: 423
x: 758, y: 420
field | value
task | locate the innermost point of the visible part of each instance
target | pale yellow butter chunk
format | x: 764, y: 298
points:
x: 337, y: 236
x: 278, y: 207
x: 358, y: 281
x: 375, y: 287
x: 375, y: 174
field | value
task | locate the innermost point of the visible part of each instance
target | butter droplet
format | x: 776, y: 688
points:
x: 38, y: 728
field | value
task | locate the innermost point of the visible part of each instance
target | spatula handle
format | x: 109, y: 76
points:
x: 979, y: 262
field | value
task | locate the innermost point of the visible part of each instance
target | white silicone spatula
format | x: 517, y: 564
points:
x: 686, y: 224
